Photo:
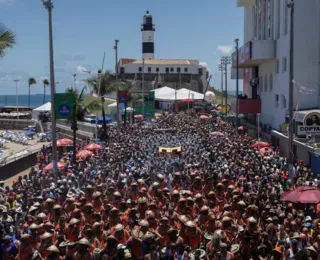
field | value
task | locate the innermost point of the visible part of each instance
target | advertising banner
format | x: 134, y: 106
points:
x: 311, y: 124
x: 64, y: 105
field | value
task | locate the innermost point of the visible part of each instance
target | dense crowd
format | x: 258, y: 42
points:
x: 217, y: 199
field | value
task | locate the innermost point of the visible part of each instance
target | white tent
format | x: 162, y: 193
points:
x: 44, y: 108
x: 170, y: 94
x: 186, y: 93
x: 113, y: 104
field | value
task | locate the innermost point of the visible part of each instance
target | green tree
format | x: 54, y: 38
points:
x: 107, y: 87
x: 45, y: 84
x: 79, y: 111
x: 7, y: 39
x: 31, y: 81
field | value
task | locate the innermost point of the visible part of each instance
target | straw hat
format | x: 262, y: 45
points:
x: 84, y: 241
x: 148, y: 235
x: 57, y: 207
x: 33, y: 226
x: 118, y: 227
x: 25, y: 237
x: 46, y: 235
x: 137, y: 233
x: 96, y: 225
x: 74, y: 221
x: 252, y: 220
x: 41, y: 215
x: 190, y: 224
x: 53, y: 249
x: 144, y: 223
x: 183, y: 218
x: 142, y: 200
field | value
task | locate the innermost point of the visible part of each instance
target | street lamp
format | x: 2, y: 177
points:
x: 115, y: 47
x: 49, y: 6
x: 221, y: 68
x: 74, y: 80
x: 225, y: 61
x: 237, y: 84
x: 17, y: 98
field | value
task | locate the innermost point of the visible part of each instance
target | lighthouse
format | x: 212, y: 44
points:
x: 147, y: 30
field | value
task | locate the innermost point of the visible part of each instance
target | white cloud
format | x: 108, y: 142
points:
x: 81, y: 69
x: 10, y: 77
x: 225, y: 49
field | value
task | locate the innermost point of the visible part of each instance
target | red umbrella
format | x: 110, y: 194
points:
x: 262, y: 145
x: 49, y: 167
x: 64, y: 142
x: 242, y: 128
x: 307, y: 195
x: 214, y: 111
x: 93, y: 147
x: 217, y: 133
x: 138, y: 116
x: 187, y: 100
x: 264, y: 150
x: 84, y: 154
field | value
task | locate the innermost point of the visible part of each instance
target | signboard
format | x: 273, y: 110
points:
x: 149, y: 104
x: 122, y: 96
x: 64, y: 105
x: 245, y: 54
x: 223, y: 108
x: 311, y: 124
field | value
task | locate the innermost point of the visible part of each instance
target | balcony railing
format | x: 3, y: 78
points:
x: 249, y: 106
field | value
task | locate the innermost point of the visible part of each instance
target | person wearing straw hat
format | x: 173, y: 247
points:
x: 83, y: 252
x: 46, y: 241
x: 73, y: 230
x: 53, y: 253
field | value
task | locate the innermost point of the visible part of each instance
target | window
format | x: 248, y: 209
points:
x: 286, y: 11
x: 157, y: 69
x: 140, y: 69
x: 185, y: 69
x: 260, y: 84
x: 284, y: 64
x: 265, y: 83
x: 278, y: 19
x: 283, y: 102
x: 167, y: 70
x: 270, y: 82
x: 178, y: 70
x: 149, y: 69
x: 276, y: 101
x: 171, y: 69
x: 277, y: 66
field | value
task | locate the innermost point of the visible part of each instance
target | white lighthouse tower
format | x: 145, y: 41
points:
x: 147, y: 30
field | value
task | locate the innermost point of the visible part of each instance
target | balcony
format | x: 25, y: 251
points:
x: 254, y: 53
x: 244, y: 3
x: 249, y: 106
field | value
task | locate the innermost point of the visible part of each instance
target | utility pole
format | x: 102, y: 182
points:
x: 237, y: 85
x: 17, y: 97
x: 49, y: 6
x: 221, y: 68
x: 225, y: 60
x: 290, y: 126
x: 143, y: 87
x: 116, y: 71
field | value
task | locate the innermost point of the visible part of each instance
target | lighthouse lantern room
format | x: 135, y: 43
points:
x: 147, y: 30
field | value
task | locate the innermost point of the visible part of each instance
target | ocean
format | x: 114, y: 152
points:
x: 35, y: 100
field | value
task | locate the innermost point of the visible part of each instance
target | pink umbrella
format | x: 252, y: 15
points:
x: 262, y: 145
x: 64, y: 142
x: 49, y: 167
x: 84, y: 154
x: 93, y: 147
x: 217, y: 133
x: 214, y: 111
x: 138, y: 116
x: 204, y: 117
x: 242, y: 128
x: 307, y: 195
x: 187, y: 100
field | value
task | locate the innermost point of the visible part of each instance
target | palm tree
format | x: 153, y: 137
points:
x: 45, y: 84
x: 79, y: 111
x: 31, y: 81
x: 7, y: 39
x: 107, y: 87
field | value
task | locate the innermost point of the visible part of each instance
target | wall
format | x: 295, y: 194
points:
x: 15, y: 123
x: 134, y: 68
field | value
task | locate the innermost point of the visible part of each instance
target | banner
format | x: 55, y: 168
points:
x: 311, y: 124
x: 64, y: 105
x: 122, y: 96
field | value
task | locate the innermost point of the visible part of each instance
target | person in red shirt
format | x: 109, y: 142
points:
x: 194, y: 235
x: 53, y: 253
x: 97, y: 203
x: 83, y: 252
x: 25, y: 248
x: 73, y: 230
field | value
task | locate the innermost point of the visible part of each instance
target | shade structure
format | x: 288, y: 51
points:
x: 64, y: 142
x: 84, y: 154
x: 217, y: 133
x: 242, y: 128
x: 138, y: 116
x: 262, y: 145
x: 93, y: 147
x: 29, y: 133
x: 265, y: 150
x: 49, y: 167
x: 204, y: 117
x: 187, y: 100
x: 303, y: 194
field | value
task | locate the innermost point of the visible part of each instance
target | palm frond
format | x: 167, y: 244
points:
x: 7, y: 39
x: 46, y: 82
x: 32, y: 81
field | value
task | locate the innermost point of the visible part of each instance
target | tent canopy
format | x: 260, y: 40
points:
x: 44, y: 108
x: 170, y: 94
x: 108, y: 118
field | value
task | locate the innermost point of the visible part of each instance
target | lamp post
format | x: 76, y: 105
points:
x: 74, y: 80
x: 116, y: 71
x: 143, y: 87
x: 258, y: 128
x: 237, y: 85
x: 221, y: 68
x: 290, y: 125
x: 225, y: 61
x: 49, y: 6
x: 17, y: 97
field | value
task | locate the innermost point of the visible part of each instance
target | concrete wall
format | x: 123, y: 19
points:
x: 134, y: 68
x: 15, y: 123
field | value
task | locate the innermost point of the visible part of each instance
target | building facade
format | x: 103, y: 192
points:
x: 265, y: 58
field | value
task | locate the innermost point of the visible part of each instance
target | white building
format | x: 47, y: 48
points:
x: 180, y: 73
x: 265, y: 56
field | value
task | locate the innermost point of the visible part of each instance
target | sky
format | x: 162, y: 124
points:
x: 84, y: 29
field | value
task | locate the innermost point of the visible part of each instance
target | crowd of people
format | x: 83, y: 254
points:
x: 217, y: 199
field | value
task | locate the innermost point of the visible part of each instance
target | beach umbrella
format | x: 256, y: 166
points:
x: 242, y: 128
x: 64, y: 142
x: 93, y: 147
x: 204, y: 117
x: 84, y: 154
x: 29, y: 133
x: 187, y: 100
x: 214, y: 111
x: 138, y: 116
x: 217, y: 133
x: 303, y: 194
x: 262, y: 145
x: 265, y: 150
x: 159, y: 116
x: 49, y: 167
x: 128, y: 109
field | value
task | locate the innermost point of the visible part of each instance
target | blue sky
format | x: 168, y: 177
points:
x: 84, y: 29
